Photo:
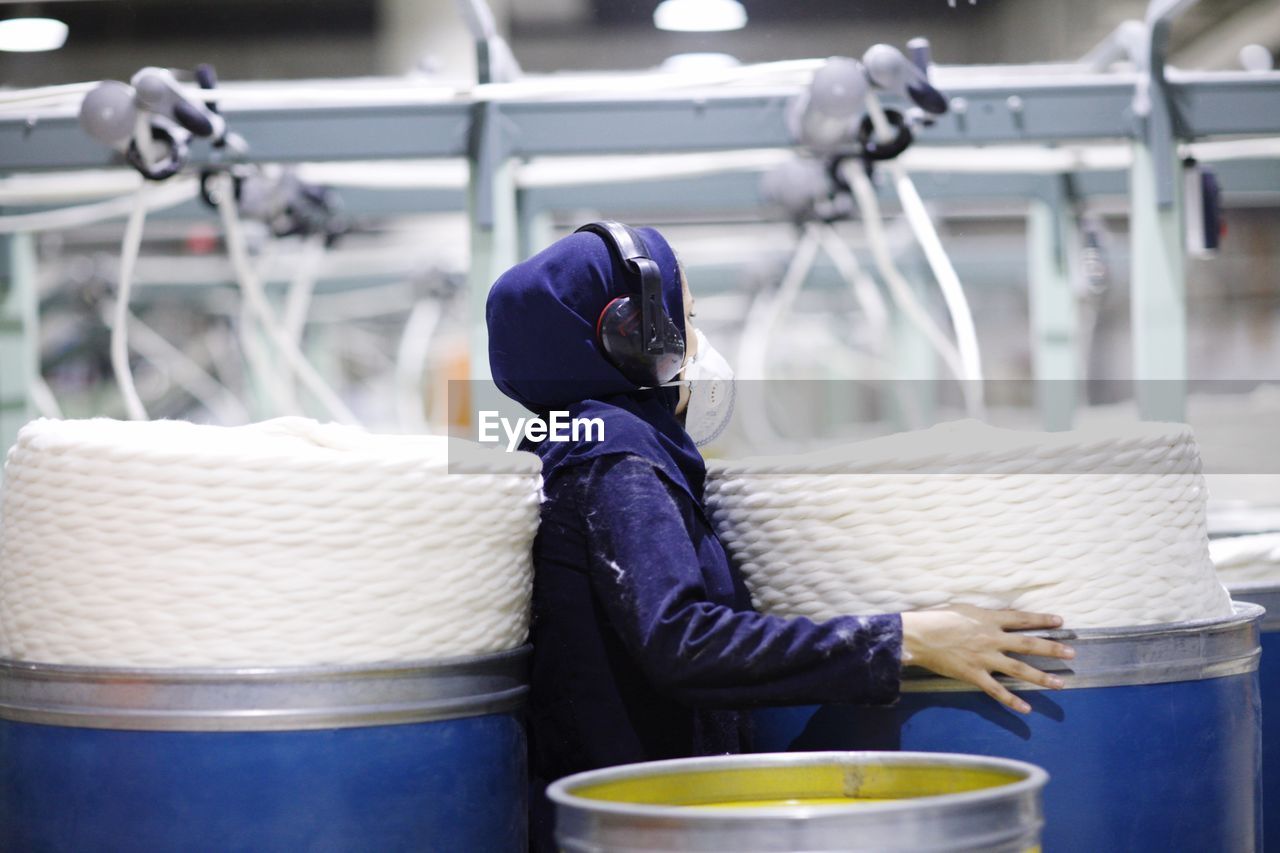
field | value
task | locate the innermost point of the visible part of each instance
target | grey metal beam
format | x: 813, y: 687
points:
x: 1226, y: 103
x: 1241, y: 180
x: 369, y: 132
x: 1017, y: 110
x: 705, y: 122
x: 1052, y: 268
x: 1004, y: 113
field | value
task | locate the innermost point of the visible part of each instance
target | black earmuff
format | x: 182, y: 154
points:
x: 174, y: 140
x: 634, y: 331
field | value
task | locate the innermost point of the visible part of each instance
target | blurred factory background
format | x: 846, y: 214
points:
x: 379, y: 305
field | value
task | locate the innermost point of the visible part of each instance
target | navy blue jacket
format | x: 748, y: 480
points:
x: 645, y: 643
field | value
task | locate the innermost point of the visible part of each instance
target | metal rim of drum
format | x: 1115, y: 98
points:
x: 1144, y: 654
x: 1265, y: 594
x: 1003, y: 817
x: 263, y: 698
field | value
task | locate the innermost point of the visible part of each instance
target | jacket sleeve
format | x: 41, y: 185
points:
x: 646, y: 573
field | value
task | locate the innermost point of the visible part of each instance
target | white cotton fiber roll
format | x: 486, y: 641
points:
x: 1105, y: 527
x: 283, y: 543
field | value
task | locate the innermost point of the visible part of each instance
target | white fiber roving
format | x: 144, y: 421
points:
x: 1105, y: 528
x: 167, y: 543
x: 1247, y: 559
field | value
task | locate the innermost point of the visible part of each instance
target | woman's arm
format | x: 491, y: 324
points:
x: 646, y: 573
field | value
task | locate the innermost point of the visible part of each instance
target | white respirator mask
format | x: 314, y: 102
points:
x: 711, y: 393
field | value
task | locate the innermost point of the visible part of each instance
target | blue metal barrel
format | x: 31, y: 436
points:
x: 1154, y: 745
x: 388, y: 758
x: 1268, y: 595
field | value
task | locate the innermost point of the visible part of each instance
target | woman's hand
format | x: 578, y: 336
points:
x: 970, y: 643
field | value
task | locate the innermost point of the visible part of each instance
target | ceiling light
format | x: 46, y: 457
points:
x: 29, y: 35
x: 699, y: 16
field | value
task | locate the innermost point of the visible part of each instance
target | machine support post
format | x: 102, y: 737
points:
x: 1052, y: 271
x: 19, y: 341
x: 1157, y: 281
x: 491, y: 205
x: 915, y: 378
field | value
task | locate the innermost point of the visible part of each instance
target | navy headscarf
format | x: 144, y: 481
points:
x: 543, y: 354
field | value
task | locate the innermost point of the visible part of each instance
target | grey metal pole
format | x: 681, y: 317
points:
x: 1158, y: 289
x: 491, y: 205
x: 19, y: 346
x: 1052, y: 237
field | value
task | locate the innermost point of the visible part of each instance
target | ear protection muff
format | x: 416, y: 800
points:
x: 634, y: 331
x: 174, y: 140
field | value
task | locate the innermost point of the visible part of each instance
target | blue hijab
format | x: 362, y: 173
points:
x: 543, y: 354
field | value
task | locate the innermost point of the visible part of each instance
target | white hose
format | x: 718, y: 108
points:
x: 23, y: 97
x: 173, y: 193
x: 899, y: 289
x: 757, y: 331
x: 129, y: 249
x: 260, y: 366
x: 411, y: 363
x: 275, y: 380
x: 865, y: 291
x: 298, y: 300
x: 939, y: 262
x: 251, y: 289
x: 43, y: 399
x: 199, y: 383
x: 753, y: 344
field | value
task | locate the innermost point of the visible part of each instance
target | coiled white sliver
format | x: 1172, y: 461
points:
x: 1247, y: 559
x: 282, y: 543
x: 1105, y: 528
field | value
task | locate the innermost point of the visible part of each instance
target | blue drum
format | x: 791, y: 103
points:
x: 388, y: 758
x: 1154, y: 745
x: 1268, y: 595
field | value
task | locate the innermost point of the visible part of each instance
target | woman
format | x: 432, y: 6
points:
x: 645, y: 642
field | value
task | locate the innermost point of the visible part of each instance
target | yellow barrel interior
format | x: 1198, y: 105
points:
x: 802, y: 785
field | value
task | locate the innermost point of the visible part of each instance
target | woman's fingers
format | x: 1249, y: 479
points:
x: 1027, y: 673
x: 1021, y: 620
x: 1024, y: 645
x: 1000, y: 693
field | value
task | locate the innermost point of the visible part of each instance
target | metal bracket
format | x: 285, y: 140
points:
x: 494, y: 61
x: 489, y: 146
x: 1160, y: 120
